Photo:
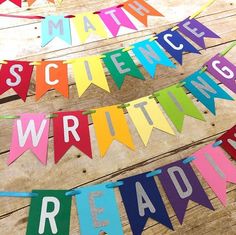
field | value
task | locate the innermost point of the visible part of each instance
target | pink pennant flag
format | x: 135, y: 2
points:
x: 30, y: 131
x: 216, y: 169
x: 114, y: 18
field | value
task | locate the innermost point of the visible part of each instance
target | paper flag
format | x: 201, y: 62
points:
x: 87, y: 71
x: 181, y: 185
x: 205, y: 89
x: 177, y: 104
x: 110, y: 124
x: 16, y: 75
x: 146, y: 115
x: 175, y: 44
x: 71, y: 129
x: 150, y: 55
x: 49, y: 213
x: 31, y: 2
x: 120, y: 64
x: 140, y: 10
x: 142, y: 200
x: 216, y: 169
x: 223, y: 70
x: 16, y: 2
x: 98, y: 210
x: 114, y: 18
x: 51, y: 75
x: 87, y: 24
x: 196, y: 31
x: 55, y: 26
x: 229, y: 142
x: 30, y: 131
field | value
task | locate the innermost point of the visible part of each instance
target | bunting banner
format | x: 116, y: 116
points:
x: 16, y: 2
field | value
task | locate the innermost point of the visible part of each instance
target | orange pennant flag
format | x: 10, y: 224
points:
x: 51, y: 75
x: 30, y: 2
x: 140, y: 10
x: 110, y: 124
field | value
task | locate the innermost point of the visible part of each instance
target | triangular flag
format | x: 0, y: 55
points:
x: 31, y: 2
x: 16, y: 2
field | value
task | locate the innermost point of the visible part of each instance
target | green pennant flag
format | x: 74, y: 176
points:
x: 49, y: 213
x: 120, y: 64
x: 177, y: 104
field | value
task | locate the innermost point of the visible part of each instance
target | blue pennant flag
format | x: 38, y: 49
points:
x: 205, y: 89
x: 175, y: 44
x: 150, y: 55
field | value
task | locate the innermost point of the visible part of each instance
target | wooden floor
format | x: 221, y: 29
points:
x: 20, y: 39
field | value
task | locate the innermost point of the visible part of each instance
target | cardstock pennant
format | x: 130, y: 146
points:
x: 182, y: 185
x: 16, y: 75
x: 120, y: 64
x: 110, y: 124
x: 150, y: 55
x: 196, y: 31
x: 177, y: 104
x: 49, y: 213
x: 223, y: 70
x: 55, y: 26
x: 229, y: 142
x: 16, y: 2
x: 175, y: 44
x: 98, y: 211
x: 140, y: 10
x: 71, y: 129
x: 87, y: 24
x: 51, y: 75
x: 87, y: 71
x: 216, y: 169
x: 205, y: 89
x: 142, y: 200
x: 146, y: 115
x: 30, y: 131
x: 114, y: 18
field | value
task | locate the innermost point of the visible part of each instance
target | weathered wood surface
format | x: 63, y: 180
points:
x: 19, y: 39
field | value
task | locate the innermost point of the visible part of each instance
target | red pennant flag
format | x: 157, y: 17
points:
x: 71, y: 129
x: 16, y: 75
x: 16, y: 2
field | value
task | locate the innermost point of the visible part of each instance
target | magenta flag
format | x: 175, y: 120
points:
x: 30, y: 131
x: 114, y: 18
x: 216, y: 169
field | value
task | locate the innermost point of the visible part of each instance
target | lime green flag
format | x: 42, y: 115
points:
x: 177, y: 104
x: 120, y: 64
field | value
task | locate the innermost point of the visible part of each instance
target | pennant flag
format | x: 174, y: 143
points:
x: 98, y: 211
x: 30, y: 131
x: 120, y: 64
x: 150, y: 55
x: 146, y: 115
x: 142, y: 200
x: 216, y: 169
x: 177, y: 104
x: 87, y: 71
x: 16, y: 75
x: 31, y: 2
x: 175, y: 44
x: 205, y: 89
x: 71, y: 129
x: 196, y: 31
x: 49, y: 213
x: 181, y: 185
x: 16, y: 2
x: 55, y: 26
x: 223, y: 70
x: 114, y: 18
x: 51, y: 75
x: 140, y: 10
x: 229, y: 142
x: 87, y: 24
x: 110, y: 124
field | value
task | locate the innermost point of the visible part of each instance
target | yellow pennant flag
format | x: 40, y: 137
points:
x: 87, y: 24
x: 87, y: 71
x: 146, y: 114
x: 110, y: 124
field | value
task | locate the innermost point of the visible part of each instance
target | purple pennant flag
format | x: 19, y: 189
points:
x: 196, y: 31
x: 181, y: 185
x: 223, y: 70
